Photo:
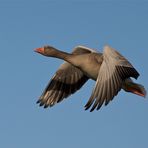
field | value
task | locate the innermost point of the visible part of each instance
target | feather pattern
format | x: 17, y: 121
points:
x: 113, y: 71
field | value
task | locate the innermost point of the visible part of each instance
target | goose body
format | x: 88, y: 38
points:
x: 89, y: 68
x: 109, y: 69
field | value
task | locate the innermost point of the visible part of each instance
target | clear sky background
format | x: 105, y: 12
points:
x: 25, y: 25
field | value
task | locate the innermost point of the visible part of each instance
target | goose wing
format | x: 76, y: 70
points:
x: 113, y: 71
x: 83, y: 50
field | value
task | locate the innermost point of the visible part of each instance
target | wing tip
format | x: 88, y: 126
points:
x: 38, y: 101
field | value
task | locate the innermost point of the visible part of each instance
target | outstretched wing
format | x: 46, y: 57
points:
x: 66, y: 81
x: 113, y: 71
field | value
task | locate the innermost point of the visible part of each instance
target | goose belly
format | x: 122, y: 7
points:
x: 88, y: 63
x: 91, y: 71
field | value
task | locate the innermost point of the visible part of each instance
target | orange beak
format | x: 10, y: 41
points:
x: 39, y: 50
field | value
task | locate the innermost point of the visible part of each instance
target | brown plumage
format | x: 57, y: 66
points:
x: 109, y: 69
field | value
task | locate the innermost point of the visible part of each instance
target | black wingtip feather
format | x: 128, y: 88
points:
x: 91, y: 110
x: 126, y: 72
x: 38, y: 101
x: 41, y: 103
x: 45, y: 106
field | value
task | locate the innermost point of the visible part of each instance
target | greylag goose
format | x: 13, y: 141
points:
x: 109, y: 69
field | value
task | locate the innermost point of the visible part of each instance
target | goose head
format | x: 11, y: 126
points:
x: 46, y: 50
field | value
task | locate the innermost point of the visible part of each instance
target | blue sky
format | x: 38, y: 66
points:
x: 24, y: 74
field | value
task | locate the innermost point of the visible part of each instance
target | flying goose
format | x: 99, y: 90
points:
x: 109, y: 69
